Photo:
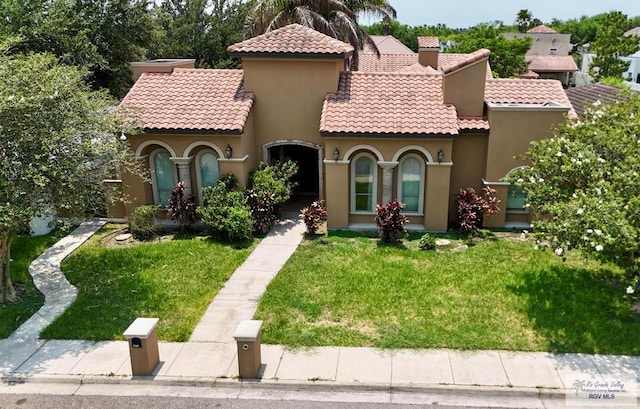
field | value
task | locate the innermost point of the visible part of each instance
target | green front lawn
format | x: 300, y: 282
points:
x: 350, y: 290
x: 23, y: 251
x: 174, y: 280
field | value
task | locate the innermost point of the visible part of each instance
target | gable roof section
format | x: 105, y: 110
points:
x: 542, y: 29
x: 292, y: 40
x: 472, y: 123
x: 521, y: 91
x: 387, y: 45
x: 388, y: 104
x: 551, y: 63
x: 406, y: 62
x: 191, y: 100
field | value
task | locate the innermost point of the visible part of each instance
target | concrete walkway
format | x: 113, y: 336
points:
x: 210, y: 358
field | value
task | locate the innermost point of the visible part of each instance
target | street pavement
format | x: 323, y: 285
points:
x: 210, y: 357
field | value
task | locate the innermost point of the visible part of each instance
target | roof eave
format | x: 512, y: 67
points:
x: 407, y: 135
x: 314, y: 56
x: 189, y: 131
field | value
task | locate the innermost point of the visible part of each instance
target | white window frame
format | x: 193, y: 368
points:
x: 524, y: 210
x: 420, y: 210
x: 199, y: 180
x: 152, y: 170
x: 352, y: 187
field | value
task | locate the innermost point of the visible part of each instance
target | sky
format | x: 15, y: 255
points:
x: 467, y: 13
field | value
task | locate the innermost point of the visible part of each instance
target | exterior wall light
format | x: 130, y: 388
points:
x: 336, y: 154
x: 229, y: 151
x: 123, y: 137
x: 440, y: 156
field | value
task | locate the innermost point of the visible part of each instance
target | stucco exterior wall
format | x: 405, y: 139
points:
x: 511, y: 133
x: 289, y: 97
x: 465, y: 89
x: 469, y: 165
x: 544, y: 43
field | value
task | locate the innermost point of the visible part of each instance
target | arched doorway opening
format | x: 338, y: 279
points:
x: 309, y: 177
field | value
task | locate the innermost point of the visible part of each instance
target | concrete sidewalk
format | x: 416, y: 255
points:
x: 210, y: 358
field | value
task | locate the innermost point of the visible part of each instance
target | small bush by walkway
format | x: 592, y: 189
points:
x: 348, y: 290
x: 173, y: 279
x: 23, y: 251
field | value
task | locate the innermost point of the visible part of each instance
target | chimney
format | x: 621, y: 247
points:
x: 160, y: 65
x: 428, y: 50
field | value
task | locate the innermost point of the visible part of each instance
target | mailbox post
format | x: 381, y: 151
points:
x: 143, y: 346
x: 247, y: 336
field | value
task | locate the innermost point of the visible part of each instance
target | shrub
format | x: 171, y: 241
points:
x: 314, y: 216
x: 182, y: 209
x: 391, y: 222
x: 471, y: 208
x: 226, y: 211
x: 270, y: 187
x: 427, y: 242
x: 142, y: 225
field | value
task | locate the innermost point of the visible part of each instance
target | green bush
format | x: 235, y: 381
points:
x: 142, y: 225
x: 270, y: 187
x: 226, y: 211
x: 427, y: 242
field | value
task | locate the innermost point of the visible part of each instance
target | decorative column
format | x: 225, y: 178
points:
x: 387, y: 180
x: 184, y: 172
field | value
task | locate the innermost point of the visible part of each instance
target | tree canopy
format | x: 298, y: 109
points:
x: 610, y: 43
x: 523, y: 20
x: 507, y: 56
x: 583, y: 184
x: 57, y: 145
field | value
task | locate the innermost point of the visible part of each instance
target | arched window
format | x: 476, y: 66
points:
x: 163, y: 176
x: 411, y: 183
x: 363, y: 183
x: 207, y: 169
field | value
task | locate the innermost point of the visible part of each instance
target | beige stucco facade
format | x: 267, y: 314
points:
x: 284, y: 119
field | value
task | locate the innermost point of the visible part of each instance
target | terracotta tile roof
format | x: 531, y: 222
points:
x: 417, y: 68
x: 529, y: 75
x: 388, y: 104
x: 293, y: 39
x: 192, y: 99
x: 386, y: 62
x: 517, y: 91
x: 469, y: 59
x: 542, y: 29
x: 588, y: 94
x: 387, y: 45
x: 447, y: 59
x: 428, y: 42
x: 469, y: 123
x: 551, y: 63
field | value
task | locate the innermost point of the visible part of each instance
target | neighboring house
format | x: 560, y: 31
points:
x: 416, y: 127
x: 582, y: 97
x: 549, y: 55
x: 387, y: 45
x: 632, y: 75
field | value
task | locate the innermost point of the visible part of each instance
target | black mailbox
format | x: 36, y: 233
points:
x: 136, y: 343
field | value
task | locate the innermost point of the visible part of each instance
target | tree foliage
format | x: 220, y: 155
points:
x: 610, y: 43
x: 523, y: 20
x: 335, y: 18
x: 583, y: 185
x: 408, y: 35
x: 507, y: 56
x: 57, y: 145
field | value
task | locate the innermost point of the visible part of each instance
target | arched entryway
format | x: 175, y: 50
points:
x: 309, y: 178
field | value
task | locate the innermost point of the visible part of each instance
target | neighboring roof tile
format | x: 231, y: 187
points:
x: 551, y: 63
x: 417, y: 68
x: 386, y: 62
x: 529, y: 75
x: 387, y: 103
x: 469, y: 59
x: 633, y: 32
x: 451, y: 59
x: 517, y: 91
x: 542, y: 29
x: 469, y: 123
x: 387, y: 45
x: 191, y: 99
x: 428, y: 42
x: 293, y: 39
x: 590, y: 93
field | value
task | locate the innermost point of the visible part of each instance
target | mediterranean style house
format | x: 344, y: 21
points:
x: 412, y: 126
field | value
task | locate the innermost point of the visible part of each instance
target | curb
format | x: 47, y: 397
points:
x: 297, y: 385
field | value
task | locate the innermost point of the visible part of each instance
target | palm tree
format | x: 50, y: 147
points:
x: 523, y: 20
x: 335, y: 18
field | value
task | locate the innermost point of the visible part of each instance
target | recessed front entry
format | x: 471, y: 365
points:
x: 309, y: 162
